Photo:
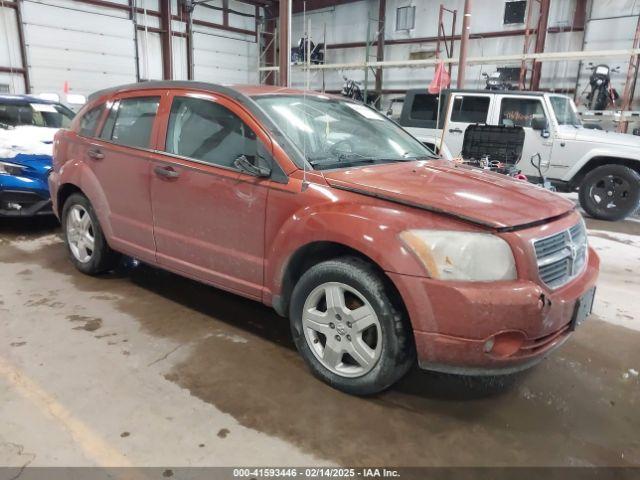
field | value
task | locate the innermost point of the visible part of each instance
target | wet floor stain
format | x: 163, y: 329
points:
x: 17, y: 344
x: 576, y: 408
x: 91, y: 324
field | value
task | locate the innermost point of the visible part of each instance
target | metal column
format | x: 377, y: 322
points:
x: 166, y: 36
x: 382, y: 9
x: 541, y: 39
x: 284, y: 54
x: 632, y: 77
x: 464, y: 43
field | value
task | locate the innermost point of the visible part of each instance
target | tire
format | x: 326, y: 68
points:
x: 607, y: 184
x: 91, y: 258
x: 390, y: 349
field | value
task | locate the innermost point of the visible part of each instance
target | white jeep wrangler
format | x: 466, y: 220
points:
x: 603, y: 166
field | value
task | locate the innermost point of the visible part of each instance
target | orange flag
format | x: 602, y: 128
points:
x: 441, y: 80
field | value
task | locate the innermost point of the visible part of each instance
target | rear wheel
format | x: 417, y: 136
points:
x: 346, y: 327
x: 84, y: 238
x: 610, y: 192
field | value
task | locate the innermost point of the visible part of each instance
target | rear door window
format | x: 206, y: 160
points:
x: 89, y: 121
x: 470, y: 109
x: 131, y: 121
x: 520, y: 112
x: 209, y: 132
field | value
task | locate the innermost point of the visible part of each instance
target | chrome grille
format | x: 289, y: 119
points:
x: 562, y: 256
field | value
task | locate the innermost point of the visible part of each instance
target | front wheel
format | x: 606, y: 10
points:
x: 610, y: 192
x: 347, y: 328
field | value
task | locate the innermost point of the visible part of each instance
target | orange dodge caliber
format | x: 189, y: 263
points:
x: 380, y: 254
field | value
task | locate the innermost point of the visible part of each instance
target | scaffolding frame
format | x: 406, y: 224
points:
x: 448, y: 42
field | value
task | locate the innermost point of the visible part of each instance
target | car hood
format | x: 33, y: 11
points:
x: 26, y: 140
x: 484, y: 198
x: 600, y: 137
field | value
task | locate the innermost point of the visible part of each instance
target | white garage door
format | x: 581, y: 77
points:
x: 219, y: 59
x: 90, y: 50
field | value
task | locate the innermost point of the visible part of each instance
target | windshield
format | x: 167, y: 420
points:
x: 52, y: 115
x: 565, y: 111
x: 335, y: 134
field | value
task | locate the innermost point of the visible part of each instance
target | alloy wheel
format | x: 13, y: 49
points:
x: 342, y: 329
x: 80, y: 233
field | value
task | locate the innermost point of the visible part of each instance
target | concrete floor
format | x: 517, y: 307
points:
x: 147, y: 368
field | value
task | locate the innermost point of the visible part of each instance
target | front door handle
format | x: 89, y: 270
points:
x: 455, y: 130
x: 95, y: 153
x: 166, y: 171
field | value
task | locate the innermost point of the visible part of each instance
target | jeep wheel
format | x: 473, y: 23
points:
x: 347, y: 329
x: 610, y: 192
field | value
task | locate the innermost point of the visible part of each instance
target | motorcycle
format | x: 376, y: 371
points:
x: 497, y: 81
x: 602, y: 94
x: 351, y: 89
x: 299, y: 53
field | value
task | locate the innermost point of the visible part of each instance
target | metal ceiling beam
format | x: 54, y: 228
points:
x: 298, y: 5
x: 484, y: 60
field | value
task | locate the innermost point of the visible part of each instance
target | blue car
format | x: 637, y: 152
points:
x: 27, y: 127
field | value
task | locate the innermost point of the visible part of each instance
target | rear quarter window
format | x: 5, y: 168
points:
x: 131, y: 121
x: 89, y: 121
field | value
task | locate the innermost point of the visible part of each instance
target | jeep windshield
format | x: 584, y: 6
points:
x: 565, y: 111
x: 35, y: 114
x: 334, y: 133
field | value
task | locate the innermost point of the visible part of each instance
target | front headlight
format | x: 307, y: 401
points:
x: 8, y: 168
x: 466, y: 256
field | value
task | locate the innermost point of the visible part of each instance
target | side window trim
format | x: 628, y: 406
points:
x: 114, y: 106
x: 98, y: 121
x: 117, y: 102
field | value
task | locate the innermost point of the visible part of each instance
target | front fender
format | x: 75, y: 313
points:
x: 622, y: 153
x: 370, y: 230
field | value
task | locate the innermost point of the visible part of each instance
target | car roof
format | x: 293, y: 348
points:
x: 15, y: 99
x: 493, y: 92
x: 245, y: 90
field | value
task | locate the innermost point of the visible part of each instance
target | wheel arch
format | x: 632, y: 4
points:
x: 599, y: 161
x: 310, y: 254
x: 64, y: 192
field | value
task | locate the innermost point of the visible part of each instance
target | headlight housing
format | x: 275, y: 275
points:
x: 8, y: 168
x: 462, y: 256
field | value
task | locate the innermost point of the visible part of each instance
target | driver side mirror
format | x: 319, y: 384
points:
x: 541, y: 125
x: 243, y: 164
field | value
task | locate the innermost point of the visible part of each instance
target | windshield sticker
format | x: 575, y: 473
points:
x: 43, y: 107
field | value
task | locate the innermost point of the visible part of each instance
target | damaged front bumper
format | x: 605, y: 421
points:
x: 490, y: 329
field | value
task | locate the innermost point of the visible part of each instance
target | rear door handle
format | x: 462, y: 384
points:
x: 166, y: 171
x: 455, y: 130
x: 95, y: 153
